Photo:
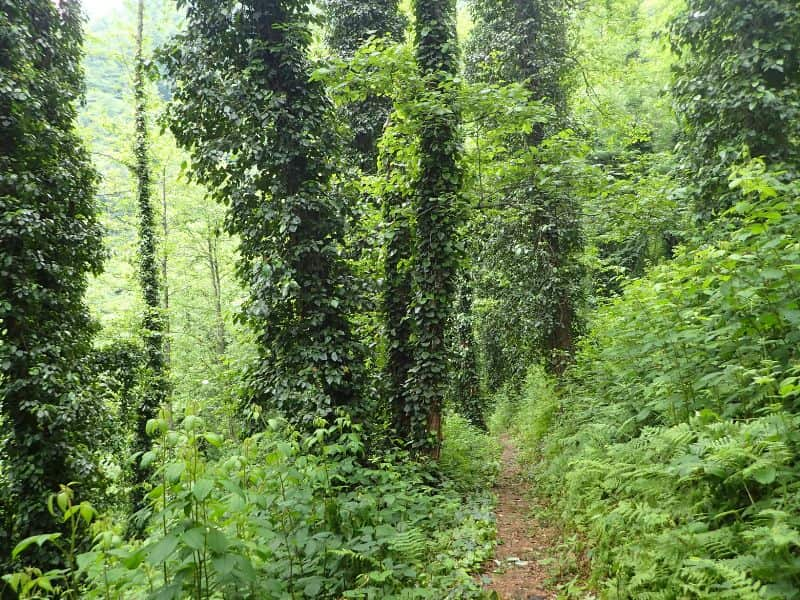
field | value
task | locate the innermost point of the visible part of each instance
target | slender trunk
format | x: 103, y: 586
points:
x: 154, y: 395
x: 164, y: 264
x: 437, y: 219
x: 396, y: 300
x: 221, y: 339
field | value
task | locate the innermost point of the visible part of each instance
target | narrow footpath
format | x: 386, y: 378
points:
x: 515, y: 572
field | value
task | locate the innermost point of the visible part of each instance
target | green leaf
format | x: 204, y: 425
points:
x: 174, y: 471
x: 202, y: 489
x: 195, y: 538
x: 162, y: 550
x: 217, y: 541
x: 765, y: 475
x: 223, y: 565
x: 133, y: 560
x: 39, y: 540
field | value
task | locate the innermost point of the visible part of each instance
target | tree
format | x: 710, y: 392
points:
x: 438, y: 214
x: 464, y: 394
x: 526, y: 41
x: 155, y: 395
x: 260, y: 136
x: 351, y: 23
x: 737, y: 84
x: 49, y: 242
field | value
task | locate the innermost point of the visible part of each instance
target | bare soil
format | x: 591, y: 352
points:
x: 523, y: 540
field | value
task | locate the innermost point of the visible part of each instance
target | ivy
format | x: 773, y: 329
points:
x: 261, y: 139
x: 737, y: 84
x: 49, y: 242
x: 155, y: 395
x: 438, y: 214
x: 464, y: 393
x: 520, y: 40
x: 536, y: 242
x: 351, y: 23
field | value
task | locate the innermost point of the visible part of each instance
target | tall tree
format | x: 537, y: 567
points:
x: 350, y: 25
x: 260, y: 136
x: 438, y: 215
x: 737, y: 84
x: 526, y: 41
x: 49, y: 242
x: 464, y: 394
x: 155, y: 395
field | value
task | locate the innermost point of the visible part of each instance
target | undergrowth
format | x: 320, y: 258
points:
x: 284, y: 515
x: 673, y: 445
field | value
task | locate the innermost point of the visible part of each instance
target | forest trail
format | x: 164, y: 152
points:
x: 522, y: 541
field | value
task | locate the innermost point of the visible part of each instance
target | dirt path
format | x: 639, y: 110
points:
x: 522, y: 541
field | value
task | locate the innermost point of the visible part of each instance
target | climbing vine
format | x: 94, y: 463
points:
x: 536, y: 241
x: 438, y: 214
x: 351, y: 23
x: 155, y: 395
x: 260, y: 137
x: 49, y: 242
x: 737, y: 84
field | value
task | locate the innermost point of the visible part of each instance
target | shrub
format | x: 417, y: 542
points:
x: 674, y: 447
x: 284, y: 515
x: 470, y: 457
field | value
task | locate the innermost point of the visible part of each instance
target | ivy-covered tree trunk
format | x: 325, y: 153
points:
x: 736, y: 86
x: 397, y: 297
x: 436, y: 206
x: 155, y: 394
x: 526, y: 41
x: 465, y: 386
x: 261, y: 139
x: 350, y: 24
x: 49, y: 242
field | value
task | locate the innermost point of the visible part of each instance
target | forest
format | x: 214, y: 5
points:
x: 406, y: 299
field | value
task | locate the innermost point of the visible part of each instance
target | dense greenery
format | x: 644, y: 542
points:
x: 534, y: 229
x: 49, y: 243
x: 261, y: 139
x: 368, y: 238
x: 436, y: 210
x: 737, y: 87
x: 155, y: 380
x: 674, y: 448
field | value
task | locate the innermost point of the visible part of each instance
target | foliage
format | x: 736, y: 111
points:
x: 155, y: 382
x: 351, y: 23
x: 528, y: 269
x: 437, y: 216
x: 465, y: 394
x: 674, y: 448
x: 285, y: 515
x: 737, y: 85
x: 260, y: 138
x: 470, y: 457
x: 527, y: 42
x: 516, y: 40
x: 76, y: 518
x: 49, y: 242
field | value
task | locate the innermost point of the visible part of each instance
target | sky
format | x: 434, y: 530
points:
x: 100, y: 8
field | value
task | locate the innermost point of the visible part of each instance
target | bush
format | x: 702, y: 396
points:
x: 283, y: 515
x: 470, y: 457
x: 675, y: 446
